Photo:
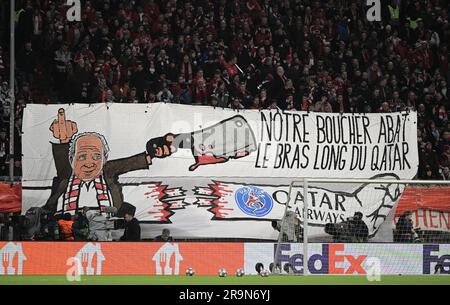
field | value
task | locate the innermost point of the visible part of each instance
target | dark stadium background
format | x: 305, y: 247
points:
x: 305, y: 55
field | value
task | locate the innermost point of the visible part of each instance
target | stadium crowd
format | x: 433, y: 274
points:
x: 305, y: 55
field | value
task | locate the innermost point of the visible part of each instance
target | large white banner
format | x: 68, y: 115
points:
x: 230, y: 173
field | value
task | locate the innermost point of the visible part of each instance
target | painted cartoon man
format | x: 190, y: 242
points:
x: 85, y: 176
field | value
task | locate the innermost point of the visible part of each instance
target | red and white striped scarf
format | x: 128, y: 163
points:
x: 73, y: 193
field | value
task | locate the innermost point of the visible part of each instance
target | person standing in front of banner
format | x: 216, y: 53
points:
x: 65, y: 227
x: 361, y: 231
x: 165, y: 236
x: 404, y: 229
x: 132, y: 228
x: 290, y: 229
x: 80, y: 226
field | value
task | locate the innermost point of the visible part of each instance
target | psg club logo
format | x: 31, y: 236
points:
x: 253, y: 201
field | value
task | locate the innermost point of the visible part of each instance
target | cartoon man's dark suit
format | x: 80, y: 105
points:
x: 81, y: 164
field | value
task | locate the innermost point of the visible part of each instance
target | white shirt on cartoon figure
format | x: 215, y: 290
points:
x: 86, y: 198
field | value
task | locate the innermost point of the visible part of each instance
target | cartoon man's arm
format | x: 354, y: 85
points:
x: 156, y: 148
x: 160, y: 147
x: 63, y: 130
x: 61, y: 158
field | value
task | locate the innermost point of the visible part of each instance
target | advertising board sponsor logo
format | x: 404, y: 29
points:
x: 332, y: 260
x: 164, y: 263
x: 11, y: 259
x: 90, y: 259
x: 435, y: 256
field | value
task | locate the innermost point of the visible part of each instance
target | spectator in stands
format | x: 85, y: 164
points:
x: 132, y: 228
x: 65, y: 227
x: 49, y: 227
x: 31, y: 223
x: 361, y: 231
x: 26, y: 62
x: 165, y: 95
x: 320, y: 55
x: 80, y: 226
x: 3, y: 226
x: 5, y: 100
x: 62, y: 61
x: 164, y: 237
x: 4, y: 149
x: 16, y: 224
x: 404, y: 229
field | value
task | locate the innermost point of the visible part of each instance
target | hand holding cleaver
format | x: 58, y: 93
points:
x: 232, y: 138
